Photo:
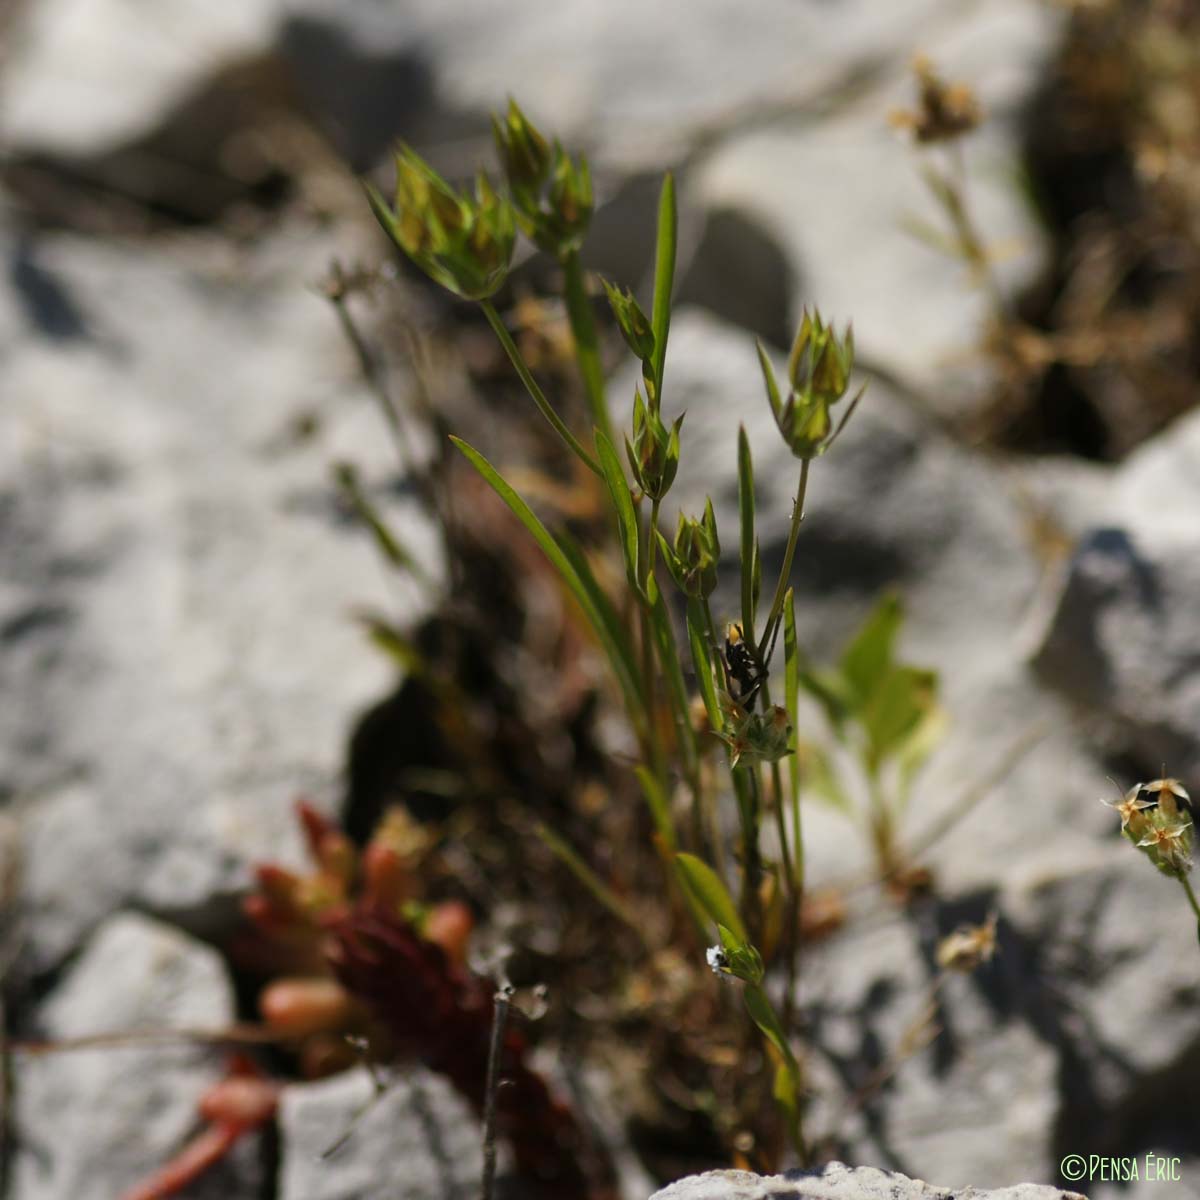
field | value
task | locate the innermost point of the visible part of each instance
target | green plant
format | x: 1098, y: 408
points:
x: 887, y: 714
x: 744, y: 737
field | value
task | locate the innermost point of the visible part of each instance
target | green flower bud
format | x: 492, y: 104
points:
x: 568, y: 211
x: 654, y: 452
x: 523, y: 151
x: 819, y: 364
x: 464, y: 244
x: 632, y: 322
x: 693, y: 559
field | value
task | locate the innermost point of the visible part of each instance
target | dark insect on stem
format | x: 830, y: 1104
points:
x: 746, y: 673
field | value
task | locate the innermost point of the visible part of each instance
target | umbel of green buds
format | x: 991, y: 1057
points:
x: 654, y: 452
x: 552, y: 194
x: 464, y: 243
x: 693, y: 559
x: 1157, y: 818
x: 819, y: 374
x: 755, y: 737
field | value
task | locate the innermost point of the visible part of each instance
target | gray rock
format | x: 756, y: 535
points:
x: 87, y: 78
x: 837, y: 1181
x: 84, y: 78
x: 890, y: 1051
x: 180, y: 580
x: 1121, y: 640
x: 597, y: 70
x: 1113, y: 943
x: 1118, y: 636
x: 418, y: 1140
x: 92, y: 1123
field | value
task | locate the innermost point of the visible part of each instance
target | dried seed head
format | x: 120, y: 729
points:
x: 968, y: 946
x: 1157, y: 818
x: 944, y: 110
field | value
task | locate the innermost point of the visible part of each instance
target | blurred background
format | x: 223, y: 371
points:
x: 213, y: 366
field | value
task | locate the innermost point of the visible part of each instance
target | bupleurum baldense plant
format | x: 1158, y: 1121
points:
x: 465, y: 242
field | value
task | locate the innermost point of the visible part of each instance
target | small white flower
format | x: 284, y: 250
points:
x: 718, y: 960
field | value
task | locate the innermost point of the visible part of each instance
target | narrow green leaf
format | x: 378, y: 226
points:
x: 786, y: 1093
x: 748, y: 547
x: 791, y: 663
x: 664, y: 279
x: 531, y: 386
x: 579, y: 580
x: 618, y: 489
x: 764, y: 1016
x: 656, y: 801
x: 706, y: 886
x: 567, y: 855
x: 618, y: 632
x: 392, y: 549
x: 869, y: 656
x: 383, y: 212
x: 395, y: 644
x: 768, y: 371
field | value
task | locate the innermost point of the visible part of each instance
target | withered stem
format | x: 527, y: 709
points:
x: 501, y: 1002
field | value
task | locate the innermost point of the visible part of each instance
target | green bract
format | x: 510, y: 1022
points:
x: 755, y: 737
x: 631, y: 320
x: 654, y: 452
x: 463, y: 243
x: 523, y: 151
x: 693, y: 559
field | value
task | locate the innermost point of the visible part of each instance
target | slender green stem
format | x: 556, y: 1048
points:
x: 791, y: 932
x: 718, y: 655
x: 373, y: 373
x: 791, y: 936
x: 652, y: 540
x: 531, y: 386
x: 649, y: 689
x: 797, y: 833
x: 882, y: 830
x: 752, y: 859
x: 1187, y: 887
x: 587, y: 345
x: 771, y: 628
